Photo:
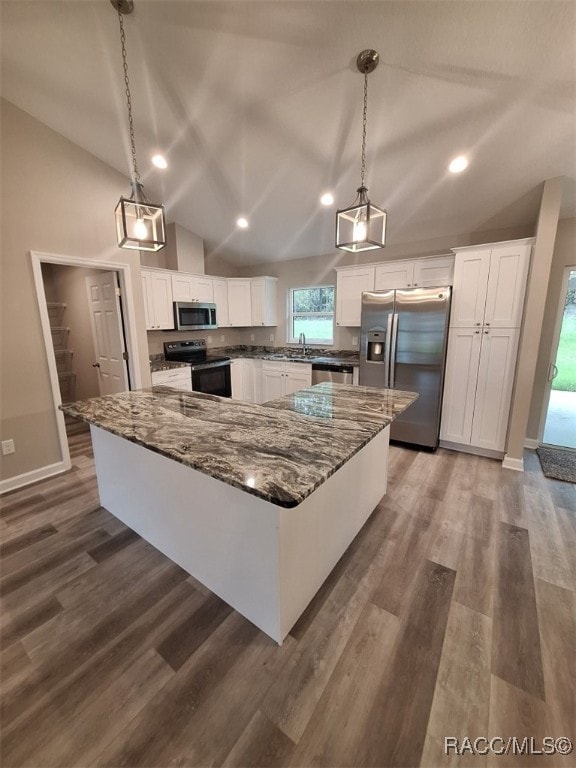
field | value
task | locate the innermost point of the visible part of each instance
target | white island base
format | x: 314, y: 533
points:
x: 264, y: 560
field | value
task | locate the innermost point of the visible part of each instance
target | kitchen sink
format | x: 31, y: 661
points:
x: 288, y: 358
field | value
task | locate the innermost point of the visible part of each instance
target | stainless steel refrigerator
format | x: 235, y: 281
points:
x: 403, y: 346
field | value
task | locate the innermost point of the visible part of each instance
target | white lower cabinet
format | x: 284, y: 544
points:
x: 280, y: 378
x: 494, y: 389
x: 273, y: 381
x: 478, y: 386
x: 237, y: 379
x: 257, y: 381
x: 246, y: 380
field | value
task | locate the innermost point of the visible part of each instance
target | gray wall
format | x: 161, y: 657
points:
x: 59, y: 199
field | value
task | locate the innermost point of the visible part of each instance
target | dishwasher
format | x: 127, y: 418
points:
x: 336, y: 372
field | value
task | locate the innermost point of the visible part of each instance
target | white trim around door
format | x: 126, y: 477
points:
x: 124, y: 271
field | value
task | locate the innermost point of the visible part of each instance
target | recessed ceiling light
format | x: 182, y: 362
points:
x: 327, y: 199
x: 459, y: 164
x: 242, y: 223
x: 160, y: 161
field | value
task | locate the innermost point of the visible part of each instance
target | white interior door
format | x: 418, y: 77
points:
x: 107, y: 333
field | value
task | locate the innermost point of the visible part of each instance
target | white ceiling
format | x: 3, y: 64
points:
x: 258, y: 105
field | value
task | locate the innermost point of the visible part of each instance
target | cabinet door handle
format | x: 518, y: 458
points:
x: 95, y: 365
x: 487, y: 323
x: 486, y: 331
x: 478, y: 323
x: 476, y: 332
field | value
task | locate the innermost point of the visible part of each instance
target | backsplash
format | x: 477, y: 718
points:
x: 257, y: 349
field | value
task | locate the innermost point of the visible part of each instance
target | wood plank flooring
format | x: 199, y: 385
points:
x: 451, y: 614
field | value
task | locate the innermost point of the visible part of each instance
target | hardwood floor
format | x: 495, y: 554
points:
x: 451, y: 614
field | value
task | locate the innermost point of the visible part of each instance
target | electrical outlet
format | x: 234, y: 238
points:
x: 272, y: 337
x: 8, y: 447
x: 354, y: 340
x: 252, y: 337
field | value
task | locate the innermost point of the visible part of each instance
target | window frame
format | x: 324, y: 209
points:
x: 291, y: 315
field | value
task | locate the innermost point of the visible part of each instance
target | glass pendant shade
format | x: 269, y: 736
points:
x: 362, y: 227
x: 140, y: 225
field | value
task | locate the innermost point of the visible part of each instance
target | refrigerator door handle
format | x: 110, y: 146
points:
x: 393, y: 349
x: 387, y: 347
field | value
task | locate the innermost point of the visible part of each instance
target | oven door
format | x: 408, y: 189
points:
x: 212, y: 379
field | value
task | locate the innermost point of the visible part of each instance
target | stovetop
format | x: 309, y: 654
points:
x: 190, y: 351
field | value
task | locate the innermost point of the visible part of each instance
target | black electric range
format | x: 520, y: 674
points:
x: 210, y: 373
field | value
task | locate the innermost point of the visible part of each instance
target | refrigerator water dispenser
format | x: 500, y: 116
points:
x: 375, y: 351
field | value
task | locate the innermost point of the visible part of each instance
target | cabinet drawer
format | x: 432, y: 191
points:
x: 301, y: 368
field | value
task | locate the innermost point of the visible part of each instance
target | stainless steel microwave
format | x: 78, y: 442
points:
x: 194, y: 316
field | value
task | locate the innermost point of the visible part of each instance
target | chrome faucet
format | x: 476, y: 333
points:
x: 302, y: 341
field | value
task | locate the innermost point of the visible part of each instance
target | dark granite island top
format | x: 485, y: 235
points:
x: 280, y: 451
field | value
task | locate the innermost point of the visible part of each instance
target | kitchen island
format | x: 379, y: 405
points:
x: 258, y: 502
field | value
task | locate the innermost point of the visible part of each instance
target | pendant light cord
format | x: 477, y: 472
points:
x: 135, y: 174
x: 364, y: 121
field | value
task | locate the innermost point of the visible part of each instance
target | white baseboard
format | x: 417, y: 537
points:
x: 531, y: 443
x: 515, y: 464
x: 27, y: 478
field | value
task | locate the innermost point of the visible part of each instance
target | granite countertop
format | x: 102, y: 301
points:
x: 158, y: 363
x: 166, y: 365
x: 281, y: 451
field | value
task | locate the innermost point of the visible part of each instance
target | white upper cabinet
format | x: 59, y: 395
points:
x: 239, y: 302
x: 507, y: 286
x: 419, y: 273
x: 221, y: 301
x: 437, y: 271
x: 351, y: 282
x: 264, y: 301
x: 350, y: 285
x: 489, y: 285
x: 186, y: 287
x: 157, y: 292
x: 394, y: 274
x: 470, y: 284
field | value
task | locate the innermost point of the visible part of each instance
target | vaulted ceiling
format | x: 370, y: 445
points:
x: 258, y: 105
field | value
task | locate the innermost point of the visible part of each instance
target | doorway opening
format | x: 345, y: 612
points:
x: 560, y: 423
x: 87, y: 314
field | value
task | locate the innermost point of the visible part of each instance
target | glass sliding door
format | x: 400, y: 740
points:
x: 560, y: 426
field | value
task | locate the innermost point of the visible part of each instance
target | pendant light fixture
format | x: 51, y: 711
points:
x: 140, y: 224
x: 362, y: 227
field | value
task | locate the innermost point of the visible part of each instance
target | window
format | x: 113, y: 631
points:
x: 311, y: 312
